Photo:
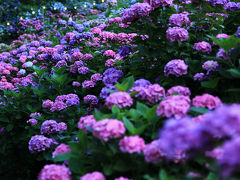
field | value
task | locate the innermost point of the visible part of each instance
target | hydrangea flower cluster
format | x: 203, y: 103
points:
x: 94, y: 176
x: 52, y: 127
x: 206, y: 100
x: 176, y: 67
x: 185, y: 91
x: 107, y: 129
x: 86, y: 121
x: 177, y: 34
x: 152, y: 93
x: 132, y: 144
x: 61, y: 102
x: 39, y: 143
x: 203, y: 46
x: 55, y: 172
x: 120, y: 99
x: 61, y: 149
x: 176, y: 106
x: 136, y: 11
x: 111, y: 75
x: 178, y: 19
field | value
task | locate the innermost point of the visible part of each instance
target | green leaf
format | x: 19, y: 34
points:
x: 115, y: 109
x: 126, y: 84
x: 97, y: 114
x: 142, y: 109
x: 3, y: 119
x: 211, y: 83
x: 9, y: 127
x: 212, y: 176
x: 151, y: 113
x: 134, y: 114
x: 199, y: 110
x: 119, y: 87
x: 76, y: 148
x: 107, y: 170
x: 76, y: 165
x: 121, y: 166
x: 129, y: 125
x: 59, y: 70
x: 38, y: 70
x: 60, y: 79
x: 227, y: 43
x: 82, y: 139
x: 141, y: 129
x: 234, y: 72
x: 164, y: 176
x: 62, y: 157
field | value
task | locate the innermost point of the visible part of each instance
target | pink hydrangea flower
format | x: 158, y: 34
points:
x: 87, y: 57
x: 207, y: 100
x: 93, y: 176
x: 108, y: 129
x: 110, y: 62
x: 58, y: 106
x: 176, y: 106
x: 55, y: 172
x: 61, y: 149
x: 221, y: 36
x: 152, y: 152
x: 109, y: 53
x: 203, y: 46
x: 132, y: 144
x: 76, y: 56
x: 96, y: 30
x: 121, y: 99
x: 121, y: 178
x: 176, y: 67
x: 177, y: 34
x: 180, y: 90
x: 86, y: 121
x: 152, y: 93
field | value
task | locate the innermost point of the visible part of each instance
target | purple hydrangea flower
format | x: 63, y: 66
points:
x: 39, y: 143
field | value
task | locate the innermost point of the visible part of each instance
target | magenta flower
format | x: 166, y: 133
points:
x: 121, y: 99
x: 55, y: 172
x: 132, y: 144
x: 108, y: 129
x: 203, y: 46
x: 176, y: 106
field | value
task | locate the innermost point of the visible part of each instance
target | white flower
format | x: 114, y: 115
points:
x: 22, y: 71
x: 28, y: 64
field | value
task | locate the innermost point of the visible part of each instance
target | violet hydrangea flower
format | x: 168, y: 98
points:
x: 176, y: 67
x: 39, y: 143
x: 177, y: 34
